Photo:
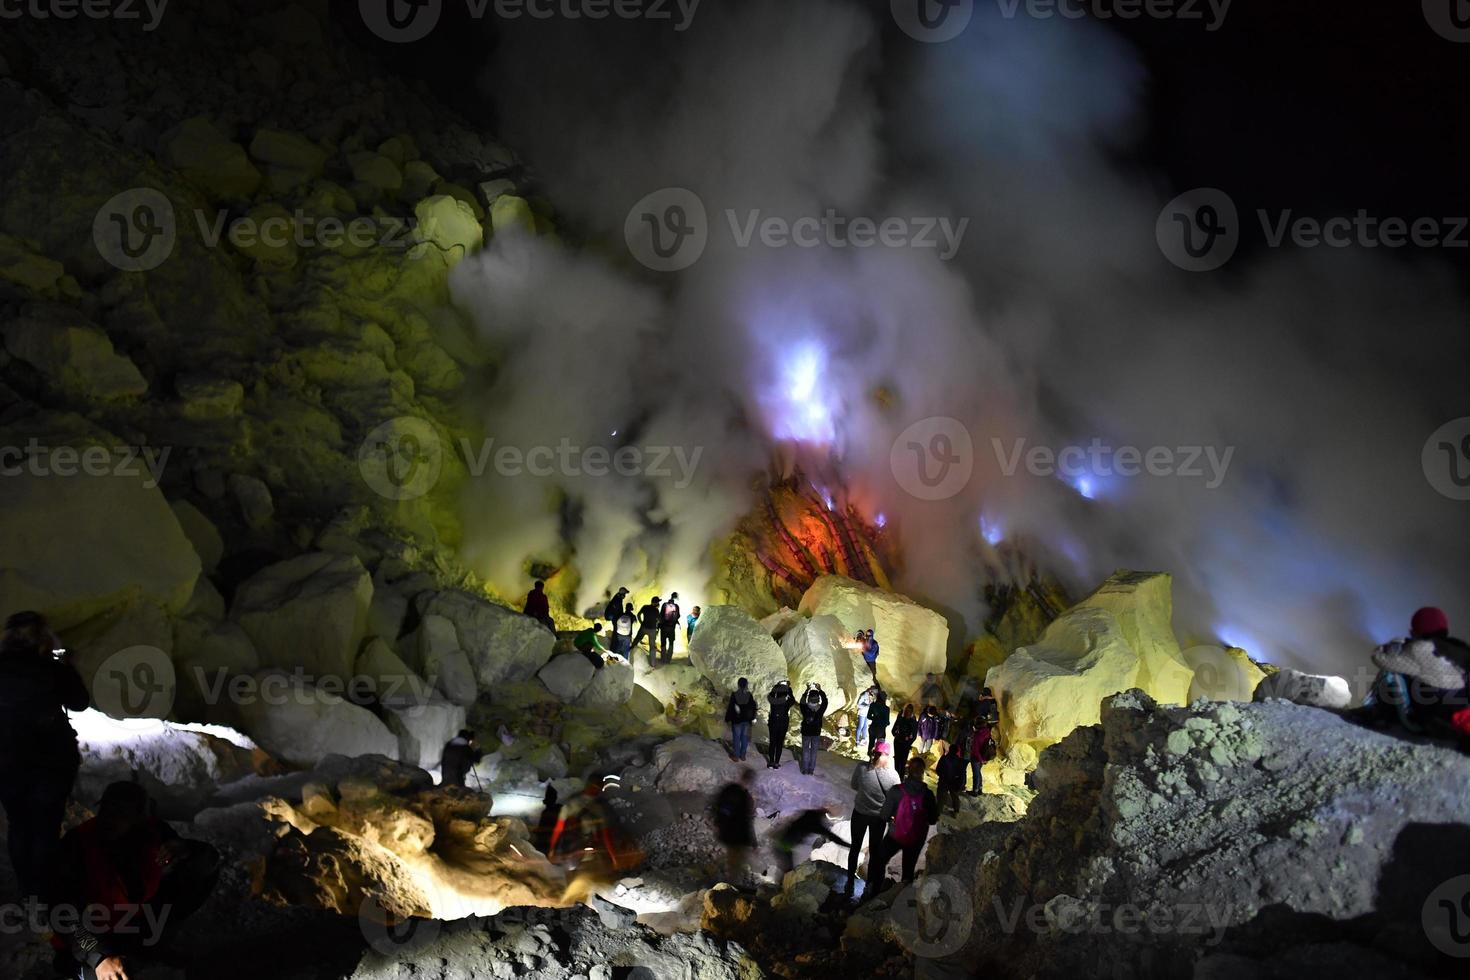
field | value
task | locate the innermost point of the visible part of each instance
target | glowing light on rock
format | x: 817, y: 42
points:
x: 881, y: 520
x: 801, y: 407
x: 992, y: 531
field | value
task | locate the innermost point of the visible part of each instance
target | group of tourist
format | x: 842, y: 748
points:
x: 658, y: 620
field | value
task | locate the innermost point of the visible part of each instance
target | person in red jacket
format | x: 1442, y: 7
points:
x: 980, y: 749
x: 538, y: 606
x: 133, y: 880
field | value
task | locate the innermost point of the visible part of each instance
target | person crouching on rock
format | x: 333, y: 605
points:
x: 813, y: 713
x: 871, y: 782
x: 778, y: 721
x: 134, y: 880
x: 798, y: 833
x: 740, y: 715
x: 734, y: 818
x: 38, y: 749
x: 588, y: 643
x: 461, y: 754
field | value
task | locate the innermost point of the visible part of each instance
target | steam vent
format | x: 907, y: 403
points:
x: 726, y: 489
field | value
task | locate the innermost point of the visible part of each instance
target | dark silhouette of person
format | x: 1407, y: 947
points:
x: 538, y: 606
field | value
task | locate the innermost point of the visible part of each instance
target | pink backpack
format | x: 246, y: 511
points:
x: 909, y: 823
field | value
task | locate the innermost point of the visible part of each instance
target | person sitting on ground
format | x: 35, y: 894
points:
x: 1419, y: 690
x: 871, y: 782
x: 951, y: 773
x: 781, y: 701
x: 588, y: 643
x: 38, y: 748
x: 905, y: 730
x: 908, y: 812
x: 461, y: 754
x: 690, y: 622
x: 614, y: 607
x: 813, y: 713
x: 798, y: 833
x: 137, y: 881
x: 878, y: 718
x: 648, y: 626
x: 733, y: 811
x: 740, y: 714
x: 538, y: 606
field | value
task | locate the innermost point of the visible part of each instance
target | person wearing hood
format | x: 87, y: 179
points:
x: 870, y: 782
x: 909, y: 810
x: 1421, y: 685
x: 813, y: 713
x: 461, y: 754
x: 538, y: 606
x: 740, y: 714
x: 781, y: 701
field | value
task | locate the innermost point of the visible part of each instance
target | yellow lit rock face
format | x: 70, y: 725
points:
x: 1118, y: 638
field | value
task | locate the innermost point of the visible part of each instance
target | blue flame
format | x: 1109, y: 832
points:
x: 992, y: 531
x: 800, y: 406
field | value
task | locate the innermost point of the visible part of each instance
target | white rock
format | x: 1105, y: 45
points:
x: 385, y: 673
x: 295, y: 721
x: 644, y: 705
x: 611, y: 687
x: 567, y: 676
x: 779, y: 623
x: 503, y: 646
x: 308, y: 612
x: 201, y: 533
x: 444, y: 664
x: 815, y: 653
x: 728, y: 644
x: 449, y: 225
x: 1313, y: 690
x: 423, y: 729
x: 912, y: 639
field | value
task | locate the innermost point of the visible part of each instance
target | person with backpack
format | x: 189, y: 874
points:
x: 690, y: 622
x: 870, y: 782
x: 668, y: 626
x: 740, y: 714
x: 908, y: 811
x: 781, y: 701
x: 648, y: 626
x: 733, y: 811
x: 614, y: 607
x: 878, y: 718
x: 813, y: 713
x: 864, y: 701
x: 928, y: 728
x: 951, y: 773
x: 538, y: 606
x: 980, y: 747
x: 623, y: 633
x: 461, y: 754
x: 39, y: 758
x: 905, y: 730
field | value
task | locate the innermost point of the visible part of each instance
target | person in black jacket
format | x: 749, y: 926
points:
x: 781, y: 701
x: 878, y: 718
x: 648, y: 626
x: 733, y: 810
x: 614, y: 607
x: 38, y: 748
x: 905, y: 730
x: 740, y: 715
x: 461, y: 755
x: 813, y: 711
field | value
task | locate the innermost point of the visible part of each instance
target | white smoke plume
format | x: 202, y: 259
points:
x: 1057, y: 322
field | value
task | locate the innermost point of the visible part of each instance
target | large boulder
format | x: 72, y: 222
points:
x: 1117, y: 639
x: 567, y: 676
x: 443, y: 663
x: 728, y: 645
x: 197, y: 149
x: 296, y: 721
x: 423, y: 729
x: 1313, y: 690
x: 503, y: 646
x: 308, y: 612
x: 126, y: 660
x: 913, y: 640
x: 1218, y: 840
x: 383, y: 675
x: 818, y: 651
x: 611, y: 687
x: 73, y: 546
x: 75, y: 356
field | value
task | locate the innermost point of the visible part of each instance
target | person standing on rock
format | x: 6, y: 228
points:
x: 623, y: 633
x: 461, y: 754
x: 979, y: 745
x: 905, y: 730
x: 878, y: 718
x: 987, y: 709
x: 538, y: 606
x: 781, y: 701
x: 614, y: 607
x: 740, y: 714
x: 813, y: 713
x: 648, y: 626
x: 668, y: 627
x: 951, y: 773
x: 864, y: 701
x: 871, y: 782
x: 734, y: 818
x: 908, y: 812
x: 870, y: 654
x: 38, y: 748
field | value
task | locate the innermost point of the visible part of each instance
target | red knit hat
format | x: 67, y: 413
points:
x: 1429, y: 621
